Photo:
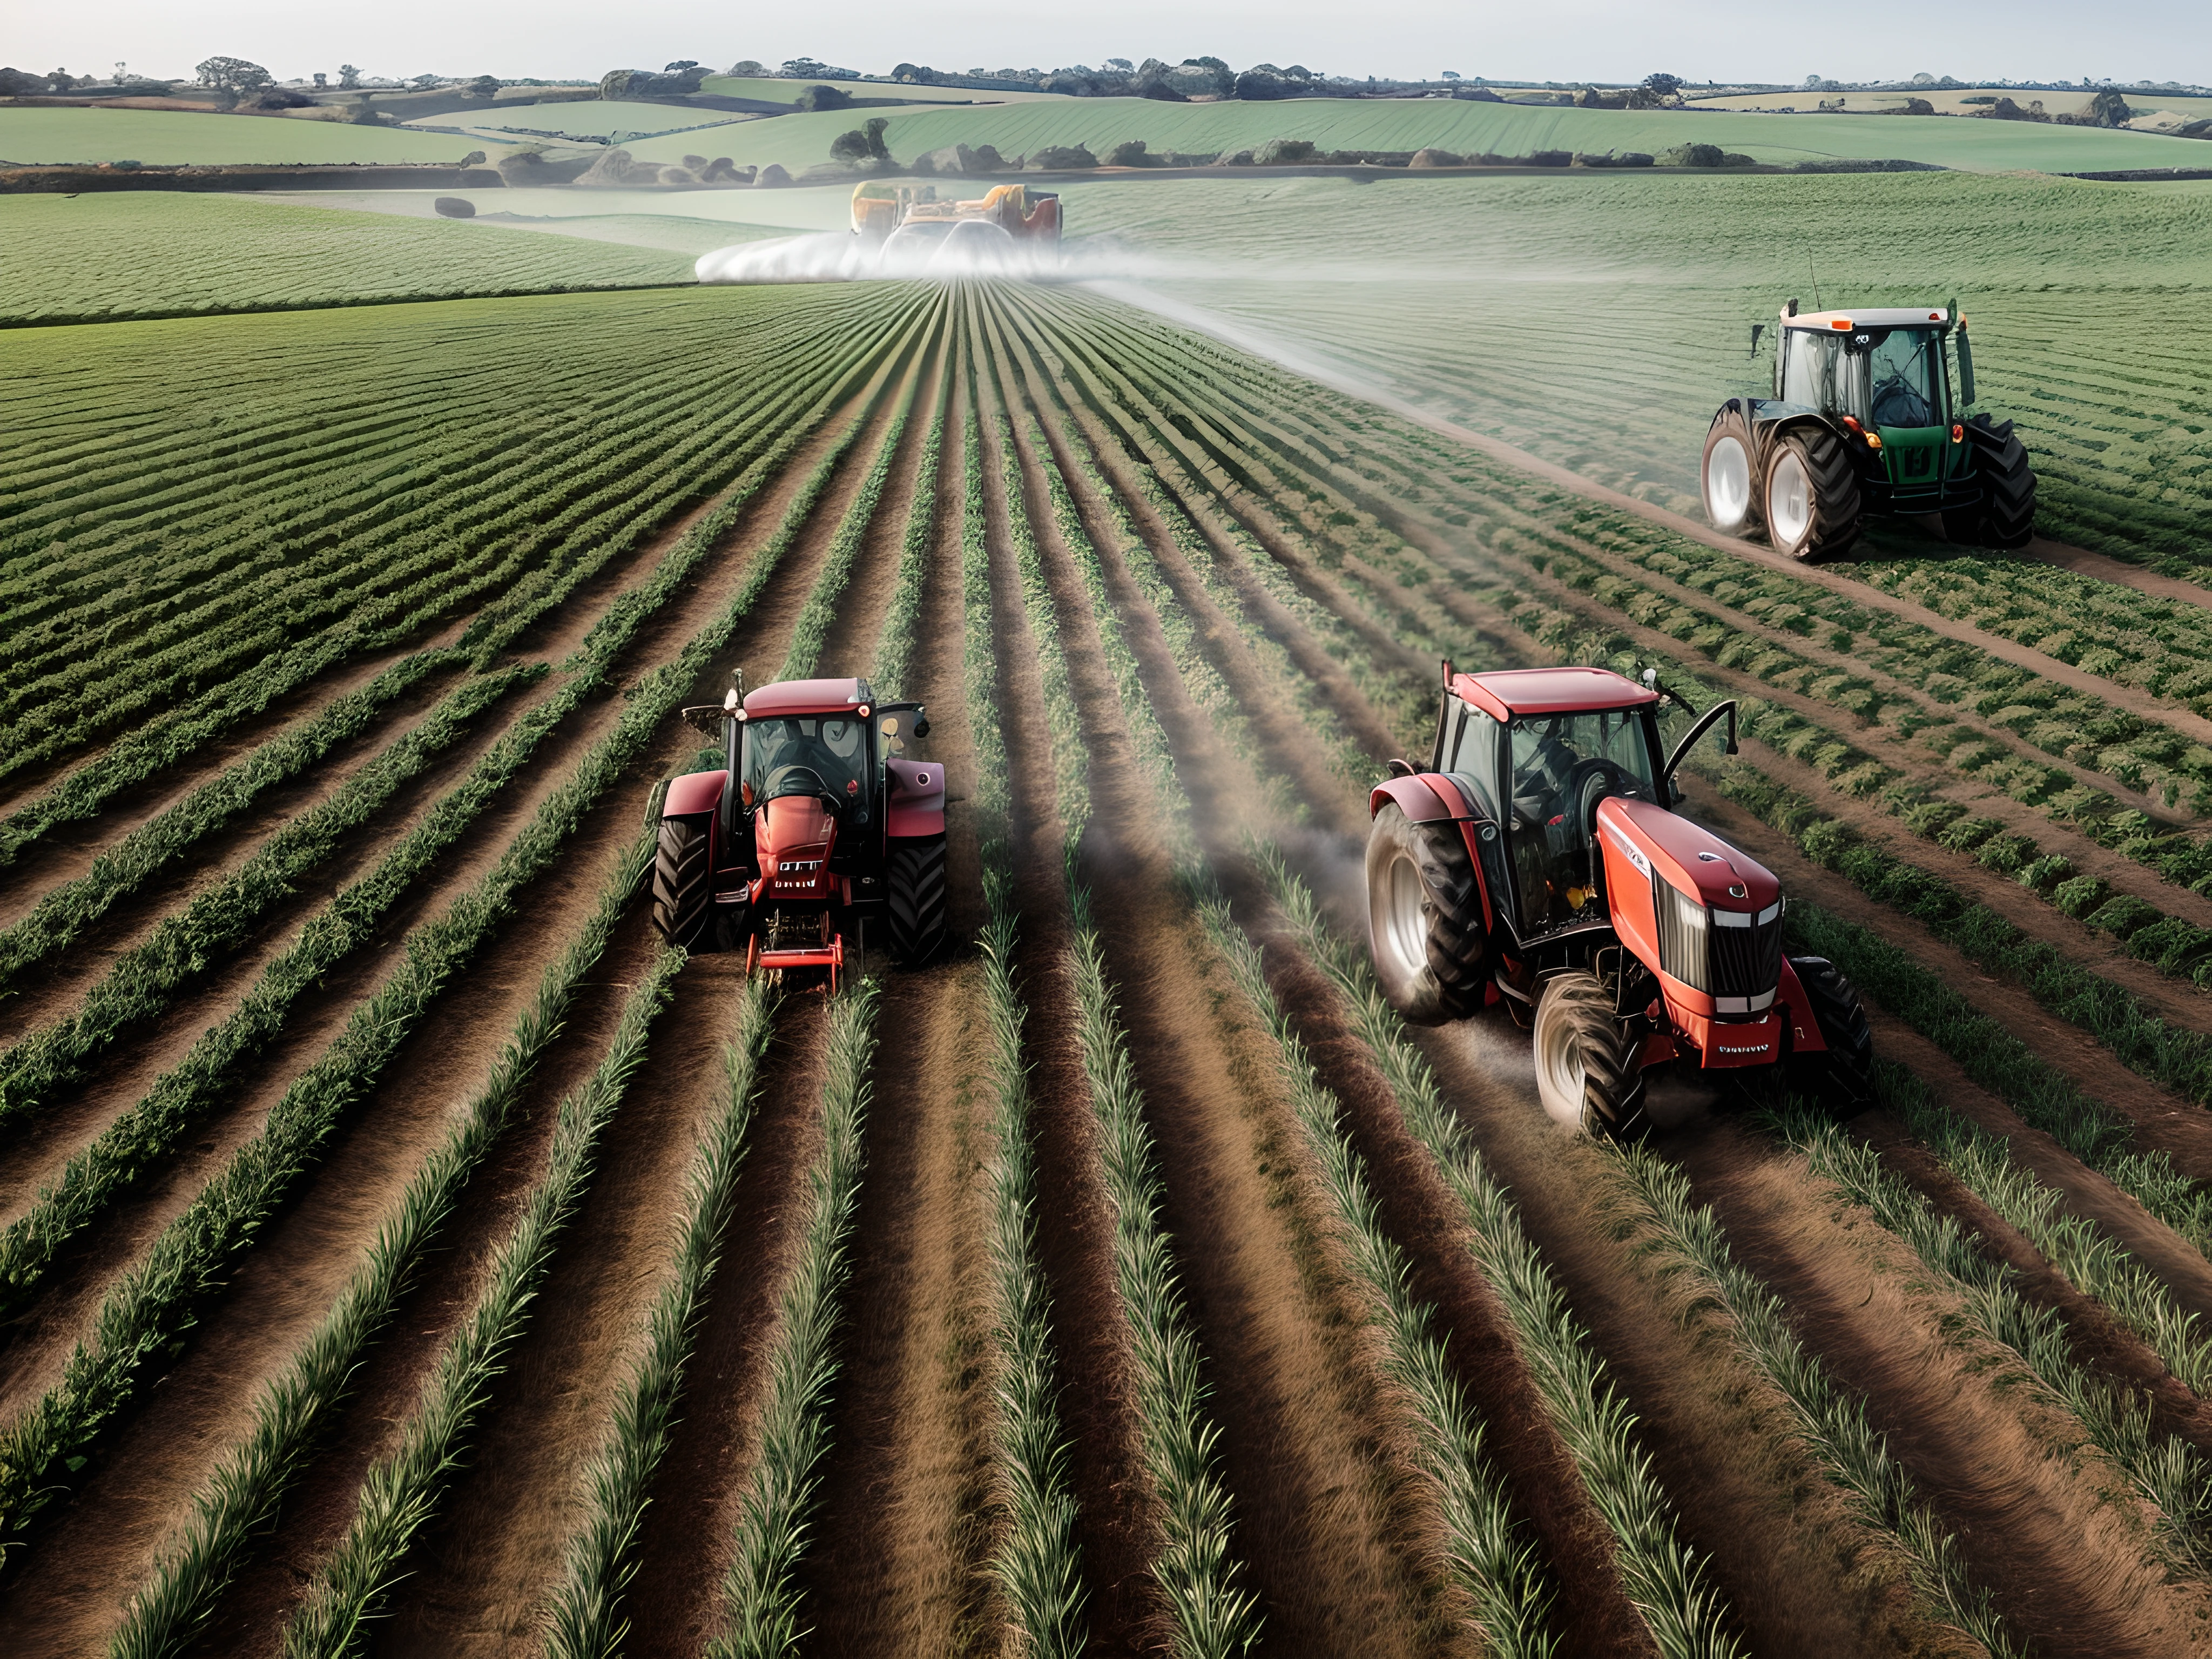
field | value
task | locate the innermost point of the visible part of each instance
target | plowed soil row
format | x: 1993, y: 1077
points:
x: 106, y: 1535
x: 2058, y: 1608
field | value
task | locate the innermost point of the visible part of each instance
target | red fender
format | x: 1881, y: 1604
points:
x: 1805, y: 1036
x: 1424, y: 798
x: 917, y: 799
x: 694, y: 791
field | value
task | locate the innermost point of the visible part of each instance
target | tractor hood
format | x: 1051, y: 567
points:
x: 793, y: 836
x: 1688, y: 856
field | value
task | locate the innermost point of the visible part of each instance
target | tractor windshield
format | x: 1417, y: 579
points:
x: 1905, y: 375
x: 806, y: 755
x: 1561, y: 766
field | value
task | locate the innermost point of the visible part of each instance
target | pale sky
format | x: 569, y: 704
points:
x: 2126, y: 40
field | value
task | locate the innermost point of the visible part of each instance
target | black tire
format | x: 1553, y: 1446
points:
x: 1842, y: 1080
x: 683, y: 896
x: 915, y: 880
x: 1732, y: 501
x: 1824, y: 521
x: 2006, y: 514
x: 1589, y: 1068
x: 1425, y: 918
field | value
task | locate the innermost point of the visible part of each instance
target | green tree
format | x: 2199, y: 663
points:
x: 232, y: 78
x: 484, y: 86
x: 348, y: 78
x: 864, y: 144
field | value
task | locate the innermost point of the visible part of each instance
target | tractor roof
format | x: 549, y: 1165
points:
x: 807, y: 697
x: 1843, y: 322
x: 1516, y: 691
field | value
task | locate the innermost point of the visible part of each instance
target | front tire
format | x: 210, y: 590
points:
x: 915, y: 878
x: 1842, y: 1079
x: 1812, y: 495
x: 682, y: 884
x: 1589, y: 1071
x: 1728, y: 476
x: 1425, y: 918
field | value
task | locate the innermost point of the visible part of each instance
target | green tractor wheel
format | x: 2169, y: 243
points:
x: 1812, y: 502
x: 2005, y: 516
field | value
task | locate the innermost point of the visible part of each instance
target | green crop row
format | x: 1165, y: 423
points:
x: 182, y: 948
x: 1833, y: 1424
x: 291, y: 1412
x: 1033, y: 1560
x: 141, y: 1310
x: 2166, y: 1468
x: 903, y: 622
x: 760, y: 1591
x: 586, y: 1620
x: 399, y: 1494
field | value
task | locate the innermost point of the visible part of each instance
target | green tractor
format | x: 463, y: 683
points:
x: 1866, y: 418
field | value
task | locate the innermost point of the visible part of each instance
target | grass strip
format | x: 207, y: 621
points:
x: 761, y: 1589
x: 1833, y: 1425
x: 242, y: 1496
x: 402, y: 1491
x: 586, y: 1620
x: 1196, y: 1570
x: 2166, y: 1469
x: 1493, y: 1567
x: 1033, y: 1559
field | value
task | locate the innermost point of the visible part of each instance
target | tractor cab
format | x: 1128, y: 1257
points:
x: 1538, y: 750
x: 1885, y: 374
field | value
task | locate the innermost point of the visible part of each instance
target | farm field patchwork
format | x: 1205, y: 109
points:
x: 154, y: 253
x: 403, y: 1248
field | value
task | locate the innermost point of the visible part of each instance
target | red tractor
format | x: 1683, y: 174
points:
x: 815, y: 824
x: 1537, y: 860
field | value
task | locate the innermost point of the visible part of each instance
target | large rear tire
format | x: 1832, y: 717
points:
x: 2006, y: 517
x: 915, y: 879
x: 1729, y: 477
x: 1811, y: 499
x: 1841, y: 1080
x: 683, y: 896
x: 1425, y: 918
x: 1590, y: 1073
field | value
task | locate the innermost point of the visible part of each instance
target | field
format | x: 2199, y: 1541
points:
x: 162, y: 137
x: 157, y: 254
x: 593, y: 118
x: 802, y: 141
x: 401, y: 1250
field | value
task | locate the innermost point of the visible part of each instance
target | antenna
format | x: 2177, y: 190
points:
x: 1815, y: 277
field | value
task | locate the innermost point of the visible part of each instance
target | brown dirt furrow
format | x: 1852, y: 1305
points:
x: 1336, y: 1546
x: 480, y: 1573
x: 1116, y: 1525
x: 2135, y: 699
x: 2064, y: 555
x: 2041, y: 1520
x: 1203, y: 493
x: 374, y: 1156
x: 897, y: 1562
x: 477, y: 1579
x: 689, y: 1534
x: 1799, y: 1572
x: 1269, y: 703
x: 867, y: 597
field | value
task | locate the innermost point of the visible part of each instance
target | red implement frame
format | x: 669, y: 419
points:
x: 830, y: 955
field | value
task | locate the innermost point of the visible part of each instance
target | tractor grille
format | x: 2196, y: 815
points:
x: 1732, y: 954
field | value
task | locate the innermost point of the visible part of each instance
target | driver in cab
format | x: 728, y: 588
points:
x: 819, y: 755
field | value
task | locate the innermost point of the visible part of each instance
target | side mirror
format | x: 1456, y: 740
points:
x: 704, y: 717
x: 1757, y: 330
x: 1965, y: 367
